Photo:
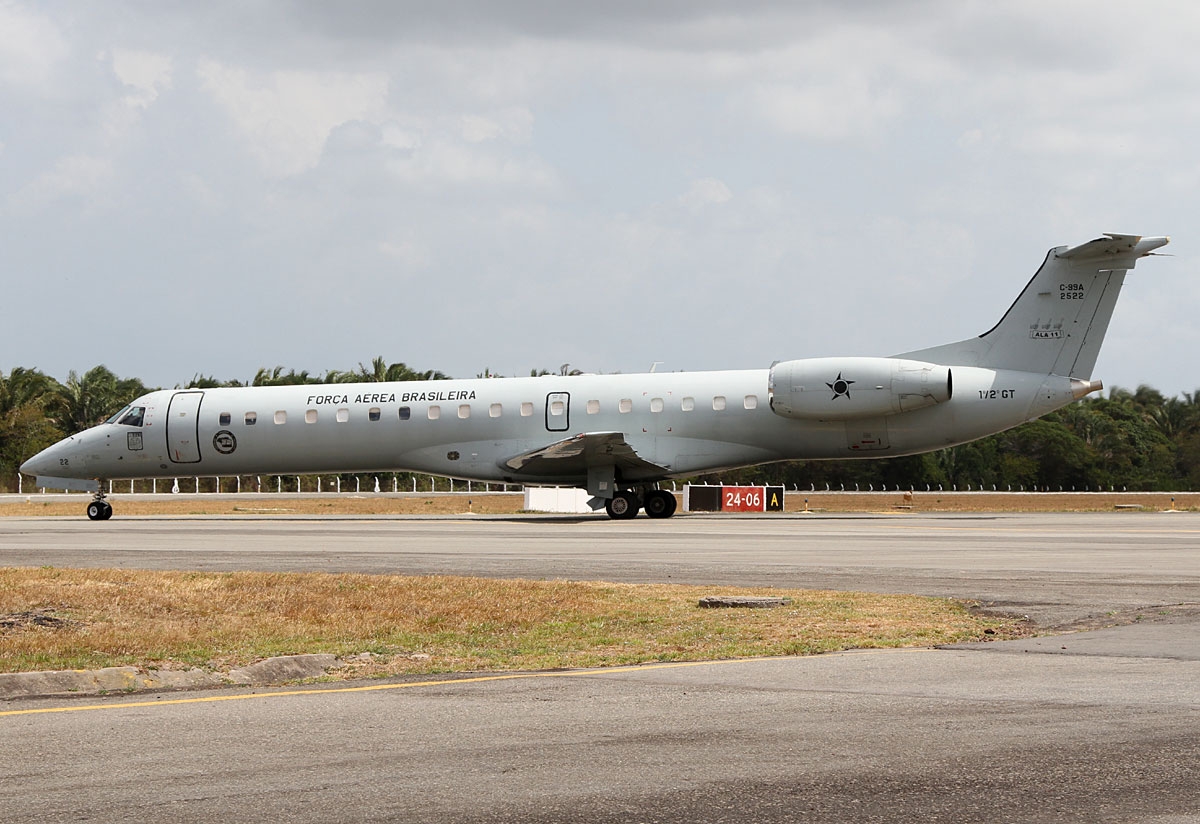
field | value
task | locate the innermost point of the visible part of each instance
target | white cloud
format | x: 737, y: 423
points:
x: 77, y: 176
x: 145, y: 74
x: 705, y: 191
x: 286, y: 116
x: 200, y: 192
x: 670, y: 167
x: 844, y: 109
x: 31, y: 48
x: 407, y: 252
x: 513, y: 124
x: 442, y: 161
x: 1079, y: 140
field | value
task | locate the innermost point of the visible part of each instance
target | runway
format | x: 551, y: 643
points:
x: 1101, y: 725
x: 1056, y: 568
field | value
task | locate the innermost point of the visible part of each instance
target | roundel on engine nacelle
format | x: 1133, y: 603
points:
x: 833, y: 389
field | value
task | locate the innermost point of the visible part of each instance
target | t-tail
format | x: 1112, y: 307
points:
x: 1057, y: 323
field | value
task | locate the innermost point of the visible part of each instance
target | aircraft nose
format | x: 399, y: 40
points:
x: 49, y: 462
x: 36, y: 465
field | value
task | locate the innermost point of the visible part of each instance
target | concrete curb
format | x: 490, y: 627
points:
x: 59, y: 683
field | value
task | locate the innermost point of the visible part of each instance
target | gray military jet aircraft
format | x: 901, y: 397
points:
x: 619, y: 436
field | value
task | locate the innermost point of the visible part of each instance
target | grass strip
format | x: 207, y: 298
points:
x: 59, y: 618
x: 496, y: 503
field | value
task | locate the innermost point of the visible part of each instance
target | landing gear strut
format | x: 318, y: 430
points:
x: 99, y: 509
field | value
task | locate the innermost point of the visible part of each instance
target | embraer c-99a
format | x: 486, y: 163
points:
x: 620, y: 436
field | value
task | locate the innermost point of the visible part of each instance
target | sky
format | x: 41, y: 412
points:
x: 212, y: 188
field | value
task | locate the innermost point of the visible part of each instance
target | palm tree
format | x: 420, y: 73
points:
x: 380, y: 371
x: 199, y: 381
x: 86, y: 401
x: 277, y: 377
x: 23, y: 386
x: 24, y: 428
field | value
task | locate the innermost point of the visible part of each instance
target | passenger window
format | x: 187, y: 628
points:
x: 593, y: 407
x: 495, y: 410
x: 225, y: 418
x: 719, y: 402
x: 435, y: 412
x: 281, y: 416
x: 343, y: 415
x: 656, y: 404
x: 625, y: 405
x: 687, y: 404
x: 464, y: 410
x: 251, y: 418
x: 526, y: 409
x: 310, y: 416
x: 405, y: 413
x: 373, y: 413
x: 557, y: 408
x: 751, y: 402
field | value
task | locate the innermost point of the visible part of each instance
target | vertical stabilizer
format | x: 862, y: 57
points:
x: 1057, y: 323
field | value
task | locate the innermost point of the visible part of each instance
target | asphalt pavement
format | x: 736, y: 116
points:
x: 1100, y: 722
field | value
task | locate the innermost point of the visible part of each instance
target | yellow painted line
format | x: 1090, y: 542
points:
x: 476, y: 679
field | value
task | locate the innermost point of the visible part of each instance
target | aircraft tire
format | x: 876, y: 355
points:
x: 99, y: 510
x: 622, y: 507
x: 660, y: 504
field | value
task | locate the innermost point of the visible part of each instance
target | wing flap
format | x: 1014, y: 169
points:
x: 574, y: 456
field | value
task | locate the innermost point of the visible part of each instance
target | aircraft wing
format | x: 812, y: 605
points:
x: 575, y: 455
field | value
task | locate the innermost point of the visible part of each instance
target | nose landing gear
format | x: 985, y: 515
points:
x: 99, y: 509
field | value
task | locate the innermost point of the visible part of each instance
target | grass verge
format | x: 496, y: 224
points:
x: 89, y: 618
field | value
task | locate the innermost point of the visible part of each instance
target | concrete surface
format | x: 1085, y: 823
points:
x: 1099, y: 724
x: 278, y: 670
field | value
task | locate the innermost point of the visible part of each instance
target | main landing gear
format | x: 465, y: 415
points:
x: 624, y: 505
x: 99, y: 509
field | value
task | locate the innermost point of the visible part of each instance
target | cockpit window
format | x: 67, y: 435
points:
x: 132, y: 416
x: 119, y: 415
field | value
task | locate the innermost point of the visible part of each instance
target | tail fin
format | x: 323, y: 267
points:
x: 1057, y: 323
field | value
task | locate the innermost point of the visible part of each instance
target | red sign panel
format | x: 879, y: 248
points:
x: 735, y: 498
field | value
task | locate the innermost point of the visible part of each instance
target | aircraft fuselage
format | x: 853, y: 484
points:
x: 687, y: 423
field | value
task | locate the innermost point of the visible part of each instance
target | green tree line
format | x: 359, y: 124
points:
x: 36, y: 410
x: 1137, y: 440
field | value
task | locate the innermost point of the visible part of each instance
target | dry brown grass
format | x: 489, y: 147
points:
x: 988, y: 501
x: 437, y: 623
x: 511, y: 503
x: 496, y: 503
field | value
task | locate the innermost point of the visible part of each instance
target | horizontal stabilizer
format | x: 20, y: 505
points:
x: 575, y: 455
x: 1112, y: 245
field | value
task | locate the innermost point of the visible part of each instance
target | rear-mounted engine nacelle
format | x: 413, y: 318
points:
x: 834, y: 389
